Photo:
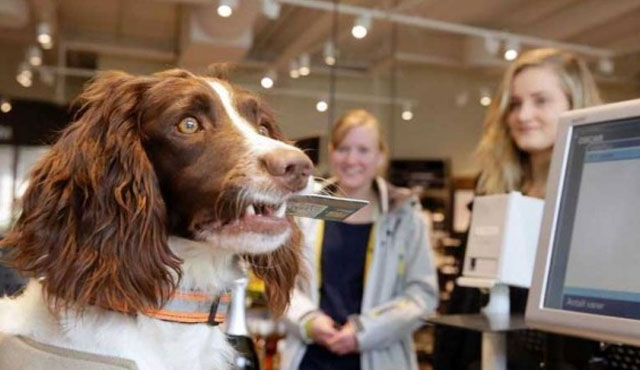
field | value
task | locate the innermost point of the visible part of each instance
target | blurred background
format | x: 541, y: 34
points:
x: 426, y: 68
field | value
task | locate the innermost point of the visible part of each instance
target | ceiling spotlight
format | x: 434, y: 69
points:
x: 305, y: 65
x: 226, y: 7
x: 510, y: 54
x: 407, y: 113
x: 5, y: 105
x: 24, y: 76
x: 44, y: 34
x: 294, y: 69
x: 34, y: 56
x: 271, y: 9
x: 329, y: 53
x: 322, y: 106
x: 485, y: 97
x: 269, y: 79
x: 511, y: 50
x: 361, y: 26
x: 606, y: 66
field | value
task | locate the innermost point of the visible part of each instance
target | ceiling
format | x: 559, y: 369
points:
x: 99, y: 34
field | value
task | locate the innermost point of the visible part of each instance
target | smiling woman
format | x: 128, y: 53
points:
x: 520, y: 126
x: 514, y: 155
x: 354, y: 312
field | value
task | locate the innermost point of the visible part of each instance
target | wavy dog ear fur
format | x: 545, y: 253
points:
x: 279, y: 269
x: 93, y: 222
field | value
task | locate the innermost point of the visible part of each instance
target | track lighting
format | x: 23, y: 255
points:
x: 322, y: 106
x: 271, y: 9
x: 294, y: 69
x: 44, y: 35
x: 329, y: 53
x: 34, y: 56
x: 269, y: 79
x: 485, y: 97
x: 25, y: 75
x: 407, y: 112
x: 361, y: 26
x: 512, y: 48
x: 305, y: 65
x: 226, y: 7
x: 5, y: 105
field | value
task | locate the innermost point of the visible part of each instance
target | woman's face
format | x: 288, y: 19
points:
x: 357, y: 158
x: 537, y: 99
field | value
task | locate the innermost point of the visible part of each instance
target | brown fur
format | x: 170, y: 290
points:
x: 100, y: 206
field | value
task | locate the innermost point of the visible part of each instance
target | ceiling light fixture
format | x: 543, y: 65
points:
x: 322, y: 106
x: 361, y: 26
x: 485, y: 97
x: 407, y: 113
x: 305, y: 65
x: 271, y: 9
x: 269, y: 79
x: 5, y: 105
x: 512, y: 49
x: 44, y: 35
x: 226, y: 8
x: 25, y: 75
x: 294, y: 69
x: 329, y: 53
x: 34, y: 55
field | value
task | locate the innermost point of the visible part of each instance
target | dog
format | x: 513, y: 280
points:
x: 155, y: 194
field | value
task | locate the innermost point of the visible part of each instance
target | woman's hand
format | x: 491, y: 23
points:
x: 344, y: 341
x: 322, y: 329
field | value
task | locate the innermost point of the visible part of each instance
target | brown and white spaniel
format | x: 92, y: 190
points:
x: 143, y: 208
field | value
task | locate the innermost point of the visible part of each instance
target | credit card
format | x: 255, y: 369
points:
x: 324, y: 207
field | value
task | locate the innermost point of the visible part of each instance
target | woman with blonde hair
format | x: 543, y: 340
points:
x: 514, y: 154
x: 371, y: 277
x: 538, y: 86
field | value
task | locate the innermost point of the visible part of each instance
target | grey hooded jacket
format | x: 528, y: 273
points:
x: 400, y: 289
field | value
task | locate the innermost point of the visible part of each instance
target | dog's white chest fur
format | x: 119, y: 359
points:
x: 153, y: 344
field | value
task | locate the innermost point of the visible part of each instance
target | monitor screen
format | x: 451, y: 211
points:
x: 586, y: 276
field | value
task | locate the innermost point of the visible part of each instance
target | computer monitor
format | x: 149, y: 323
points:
x: 586, y: 278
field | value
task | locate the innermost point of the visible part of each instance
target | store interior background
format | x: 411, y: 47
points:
x: 443, y: 74
x: 438, y: 59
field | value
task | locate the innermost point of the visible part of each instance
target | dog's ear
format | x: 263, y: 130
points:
x: 93, y: 222
x: 279, y: 270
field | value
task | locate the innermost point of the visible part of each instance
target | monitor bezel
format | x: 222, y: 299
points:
x: 598, y: 327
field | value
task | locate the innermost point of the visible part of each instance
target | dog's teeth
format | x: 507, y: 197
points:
x: 251, y: 210
x: 281, y: 210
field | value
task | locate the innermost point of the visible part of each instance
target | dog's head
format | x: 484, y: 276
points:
x: 171, y: 153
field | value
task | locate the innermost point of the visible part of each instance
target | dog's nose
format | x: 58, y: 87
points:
x: 289, y: 167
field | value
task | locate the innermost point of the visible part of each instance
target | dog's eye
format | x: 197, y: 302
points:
x: 263, y: 130
x: 188, y: 125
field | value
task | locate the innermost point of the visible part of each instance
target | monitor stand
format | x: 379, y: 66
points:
x: 494, y: 343
x: 493, y: 322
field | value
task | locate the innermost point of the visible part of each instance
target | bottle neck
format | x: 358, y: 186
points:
x: 237, y: 324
